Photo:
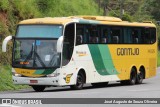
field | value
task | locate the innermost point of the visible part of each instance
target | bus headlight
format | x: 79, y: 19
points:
x: 16, y: 74
x: 53, y: 75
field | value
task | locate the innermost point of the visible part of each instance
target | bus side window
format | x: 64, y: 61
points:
x: 145, y: 36
x: 127, y: 32
x: 116, y: 35
x: 94, y: 36
x: 94, y: 39
x: 79, y: 35
x: 134, y: 36
x: 104, y: 38
x: 148, y: 35
x: 115, y: 39
x: 153, y: 35
x: 79, y: 39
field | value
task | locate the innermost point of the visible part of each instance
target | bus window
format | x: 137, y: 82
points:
x: 134, y: 36
x: 145, y: 36
x: 105, y: 36
x: 68, y: 44
x: 153, y: 35
x: 94, y: 38
x: 116, y: 36
x: 149, y: 35
x: 79, y: 35
x: 79, y: 39
x: 127, y: 32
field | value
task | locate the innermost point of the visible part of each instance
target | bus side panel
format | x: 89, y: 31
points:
x: 125, y: 59
x: 110, y: 62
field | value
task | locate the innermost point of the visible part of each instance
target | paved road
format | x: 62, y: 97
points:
x: 149, y: 89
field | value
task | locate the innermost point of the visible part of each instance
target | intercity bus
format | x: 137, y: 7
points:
x: 77, y: 50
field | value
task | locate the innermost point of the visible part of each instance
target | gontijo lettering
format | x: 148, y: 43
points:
x: 127, y: 51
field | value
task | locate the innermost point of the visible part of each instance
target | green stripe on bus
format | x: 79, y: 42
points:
x: 97, y: 59
x: 107, y: 59
x: 38, y: 72
x: 102, y: 59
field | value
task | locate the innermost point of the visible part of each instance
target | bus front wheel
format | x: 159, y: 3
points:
x: 38, y: 88
x: 80, y: 82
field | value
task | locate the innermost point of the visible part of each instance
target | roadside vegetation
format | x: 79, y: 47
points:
x: 6, y: 80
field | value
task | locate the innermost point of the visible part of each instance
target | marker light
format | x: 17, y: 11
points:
x: 53, y: 75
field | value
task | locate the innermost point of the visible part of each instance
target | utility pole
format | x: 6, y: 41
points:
x: 105, y: 7
x: 121, y: 8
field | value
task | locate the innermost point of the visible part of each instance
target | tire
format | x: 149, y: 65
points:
x: 140, y: 77
x: 38, y: 88
x: 133, y: 77
x: 103, y: 84
x: 80, y: 82
x: 132, y: 80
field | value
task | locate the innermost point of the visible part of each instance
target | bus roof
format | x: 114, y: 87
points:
x: 47, y: 20
x: 87, y: 20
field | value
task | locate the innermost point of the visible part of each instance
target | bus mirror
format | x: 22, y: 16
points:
x: 5, y: 41
x: 59, y: 44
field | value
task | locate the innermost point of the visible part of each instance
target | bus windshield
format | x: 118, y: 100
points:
x: 33, y: 53
x: 39, y: 31
x: 35, y: 46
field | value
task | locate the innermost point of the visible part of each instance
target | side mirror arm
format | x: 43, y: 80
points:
x: 59, y: 44
x: 5, y: 41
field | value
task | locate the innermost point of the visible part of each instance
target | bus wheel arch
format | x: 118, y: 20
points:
x: 80, y: 80
x: 140, y: 75
x: 142, y: 69
x: 84, y: 74
x: 132, y: 77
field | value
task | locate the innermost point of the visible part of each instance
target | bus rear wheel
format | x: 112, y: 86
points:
x: 80, y: 82
x: 132, y: 80
x: 38, y: 88
x: 133, y: 77
x: 140, y: 77
x: 103, y: 84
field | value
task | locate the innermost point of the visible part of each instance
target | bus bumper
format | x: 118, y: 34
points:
x: 49, y: 81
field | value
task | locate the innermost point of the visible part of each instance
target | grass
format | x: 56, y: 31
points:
x: 6, y: 80
x: 158, y: 62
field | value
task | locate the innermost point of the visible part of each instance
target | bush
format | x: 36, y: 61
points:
x: 127, y: 17
x: 4, y: 5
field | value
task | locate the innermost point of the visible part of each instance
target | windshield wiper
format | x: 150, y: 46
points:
x: 33, y: 54
x: 39, y: 58
x: 30, y: 54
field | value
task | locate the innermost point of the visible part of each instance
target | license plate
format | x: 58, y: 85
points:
x: 33, y: 81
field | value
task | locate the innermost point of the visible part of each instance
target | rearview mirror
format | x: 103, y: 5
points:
x: 59, y: 44
x: 5, y: 41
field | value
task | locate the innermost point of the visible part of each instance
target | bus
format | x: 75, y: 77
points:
x: 77, y: 50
